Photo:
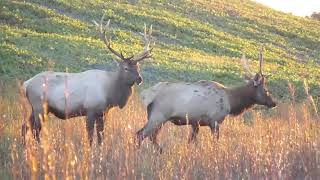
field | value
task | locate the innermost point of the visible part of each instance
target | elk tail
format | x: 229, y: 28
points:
x: 148, y: 95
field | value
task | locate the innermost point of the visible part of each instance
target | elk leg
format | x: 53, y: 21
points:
x: 90, y: 126
x: 154, y: 123
x: 139, y: 137
x: 24, y: 130
x: 153, y: 139
x: 34, y: 122
x: 100, y: 128
x: 26, y: 126
x: 215, y: 129
x: 194, y: 133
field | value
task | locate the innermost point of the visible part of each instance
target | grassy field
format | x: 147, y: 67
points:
x: 194, y: 40
x: 283, y: 146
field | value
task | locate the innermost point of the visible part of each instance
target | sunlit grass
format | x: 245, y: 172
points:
x: 284, y: 145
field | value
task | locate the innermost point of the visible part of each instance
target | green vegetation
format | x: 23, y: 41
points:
x: 198, y: 39
x: 194, y: 40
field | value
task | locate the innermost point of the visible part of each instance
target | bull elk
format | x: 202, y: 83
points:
x: 90, y: 93
x: 202, y: 103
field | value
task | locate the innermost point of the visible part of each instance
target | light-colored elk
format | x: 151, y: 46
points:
x: 90, y: 93
x: 203, y: 103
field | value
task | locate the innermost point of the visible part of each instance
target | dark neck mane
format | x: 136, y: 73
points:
x: 240, y: 98
x: 121, y: 91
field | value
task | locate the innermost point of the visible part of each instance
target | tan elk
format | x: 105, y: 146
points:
x: 202, y: 103
x: 90, y: 93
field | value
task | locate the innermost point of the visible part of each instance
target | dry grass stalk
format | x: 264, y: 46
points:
x: 310, y: 98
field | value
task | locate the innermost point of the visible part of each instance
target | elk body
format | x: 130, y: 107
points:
x: 90, y: 93
x: 203, y: 103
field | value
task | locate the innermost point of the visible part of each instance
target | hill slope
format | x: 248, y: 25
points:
x: 194, y: 40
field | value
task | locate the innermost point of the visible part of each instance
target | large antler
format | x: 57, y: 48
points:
x: 147, y: 38
x: 146, y: 53
x: 102, y: 33
x: 245, y: 66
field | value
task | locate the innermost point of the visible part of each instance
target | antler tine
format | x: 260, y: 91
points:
x: 260, y: 60
x: 245, y: 65
x: 150, y: 30
x: 102, y: 33
x: 146, y: 53
x: 145, y: 32
x: 147, y: 37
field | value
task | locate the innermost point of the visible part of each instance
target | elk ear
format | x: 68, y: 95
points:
x: 257, y: 79
x: 117, y: 62
x: 256, y: 83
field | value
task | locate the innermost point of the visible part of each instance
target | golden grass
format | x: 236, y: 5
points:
x: 283, y: 147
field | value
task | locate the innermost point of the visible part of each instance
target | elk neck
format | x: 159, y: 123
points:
x: 120, y: 90
x: 241, y: 98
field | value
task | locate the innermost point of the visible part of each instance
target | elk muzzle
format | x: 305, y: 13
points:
x: 139, y: 80
x: 271, y: 104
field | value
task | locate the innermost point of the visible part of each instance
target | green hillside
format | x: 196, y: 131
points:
x: 194, y: 40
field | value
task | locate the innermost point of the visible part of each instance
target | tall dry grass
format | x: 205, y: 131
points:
x: 283, y: 145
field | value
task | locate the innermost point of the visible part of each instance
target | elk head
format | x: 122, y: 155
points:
x: 128, y: 66
x: 257, y: 81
